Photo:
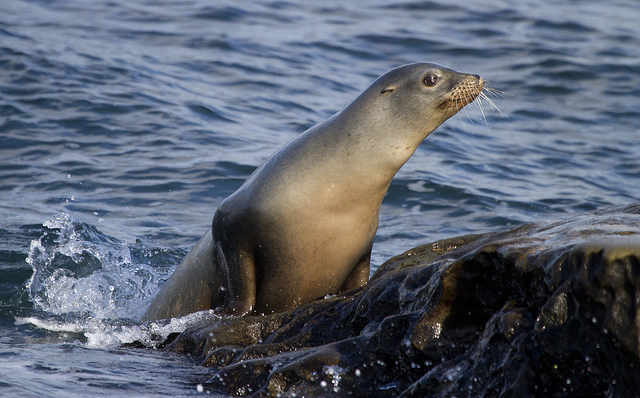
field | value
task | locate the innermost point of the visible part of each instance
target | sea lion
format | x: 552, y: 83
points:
x: 302, y: 226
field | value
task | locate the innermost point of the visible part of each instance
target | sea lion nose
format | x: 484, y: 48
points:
x: 480, y: 81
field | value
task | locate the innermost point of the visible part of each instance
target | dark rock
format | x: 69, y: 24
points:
x: 546, y: 309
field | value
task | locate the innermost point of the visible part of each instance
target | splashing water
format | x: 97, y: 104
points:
x: 88, y: 283
x: 335, y: 373
x: 77, y: 269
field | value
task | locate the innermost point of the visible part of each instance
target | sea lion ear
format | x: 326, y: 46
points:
x: 388, y: 89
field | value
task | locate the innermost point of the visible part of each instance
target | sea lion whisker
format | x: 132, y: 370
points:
x: 488, y: 90
x: 494, y: 91
x: 485, y: 97
x: 468, y: 117
x: 468, y: 94
x: 456, y: 102
x: 484, y: 116
x: 462, y: 119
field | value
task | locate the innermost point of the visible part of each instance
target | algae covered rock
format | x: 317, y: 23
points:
x: 545, y: 309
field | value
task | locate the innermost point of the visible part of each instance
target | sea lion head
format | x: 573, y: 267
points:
x: 402, y: 107
x: 424, y: 95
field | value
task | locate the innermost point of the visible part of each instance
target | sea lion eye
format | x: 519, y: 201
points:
x: 430, y: 80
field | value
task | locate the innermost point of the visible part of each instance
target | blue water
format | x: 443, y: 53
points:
x: 124, y: 124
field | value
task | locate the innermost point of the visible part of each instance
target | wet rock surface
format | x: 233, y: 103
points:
x: 545, y: 309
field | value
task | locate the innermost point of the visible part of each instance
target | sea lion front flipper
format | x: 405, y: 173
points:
x: 359, y: 275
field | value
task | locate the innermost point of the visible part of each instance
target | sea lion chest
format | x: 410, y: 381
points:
x: 305, y: 220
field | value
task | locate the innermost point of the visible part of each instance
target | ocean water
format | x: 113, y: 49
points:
x: 124, y: 124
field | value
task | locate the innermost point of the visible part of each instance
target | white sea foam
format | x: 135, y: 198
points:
x: 108, y: 334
